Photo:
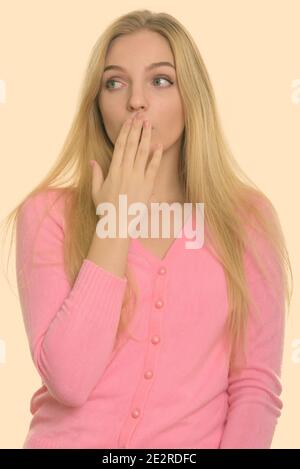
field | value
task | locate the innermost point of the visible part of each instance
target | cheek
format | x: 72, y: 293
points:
x: 109, y: 110
x: 111, y: 124
x: 169, y: 128
x: 111, y: 129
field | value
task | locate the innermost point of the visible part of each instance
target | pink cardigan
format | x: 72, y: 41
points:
x: 170, y: 386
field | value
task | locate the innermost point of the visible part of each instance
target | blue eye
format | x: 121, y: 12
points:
x: 156, y: 78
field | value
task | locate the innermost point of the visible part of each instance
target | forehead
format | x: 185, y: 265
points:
x: 141, y: 47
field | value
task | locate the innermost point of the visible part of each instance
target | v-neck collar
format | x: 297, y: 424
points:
x: 136, y: 247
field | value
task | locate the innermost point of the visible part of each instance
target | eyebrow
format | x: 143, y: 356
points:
x: 149, y: 67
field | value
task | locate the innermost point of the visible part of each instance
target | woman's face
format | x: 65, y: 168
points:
x: 124, y: 92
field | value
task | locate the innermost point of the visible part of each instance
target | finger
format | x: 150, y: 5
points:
x: 120, y: 144
x: 144, y: 148
x: 97, y: 177
x: 154, y: 164
x: 132, y: 143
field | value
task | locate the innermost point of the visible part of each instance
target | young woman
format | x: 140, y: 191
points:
x: 141, y: 342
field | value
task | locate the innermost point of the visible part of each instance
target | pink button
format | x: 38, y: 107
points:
x: 148, y: 374
x: 162, y: 271
x: 159, y: 303
x: 155, y: 339
x: 135, y: 413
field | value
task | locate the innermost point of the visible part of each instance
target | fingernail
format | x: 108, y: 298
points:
x: 92, y: 162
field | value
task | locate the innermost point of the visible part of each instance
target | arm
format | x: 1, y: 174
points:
x: 254, y: 392
x: 71, y: 330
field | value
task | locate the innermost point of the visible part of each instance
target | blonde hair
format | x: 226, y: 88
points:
x: 233, y: 204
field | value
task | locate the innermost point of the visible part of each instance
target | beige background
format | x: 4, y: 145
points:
x: 251, y: 50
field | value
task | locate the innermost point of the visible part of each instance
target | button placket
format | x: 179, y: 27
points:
x: 151, y: 358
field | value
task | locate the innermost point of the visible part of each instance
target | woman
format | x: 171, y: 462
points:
x: 143, y: 343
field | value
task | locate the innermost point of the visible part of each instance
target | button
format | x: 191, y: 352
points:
x: 155, y: 339
x: 148, y: 374
x: 135, y: 413
x: 162, y: 271
x: 159, y: 304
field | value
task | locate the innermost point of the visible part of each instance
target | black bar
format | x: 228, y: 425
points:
x: 136, y: 457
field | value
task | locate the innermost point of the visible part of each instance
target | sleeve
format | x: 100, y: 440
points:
x: 71, y: 331
x: 254, y: 390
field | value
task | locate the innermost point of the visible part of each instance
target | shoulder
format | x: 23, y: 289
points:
x: 261, y: 220
x: 40, y: 228
x: 263, y: 240
x: 45, y: 205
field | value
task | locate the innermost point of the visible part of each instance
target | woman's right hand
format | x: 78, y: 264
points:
x: 128, y: 173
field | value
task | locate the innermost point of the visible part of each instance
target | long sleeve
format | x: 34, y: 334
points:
x: 71, y: 331
x: 254, y: 392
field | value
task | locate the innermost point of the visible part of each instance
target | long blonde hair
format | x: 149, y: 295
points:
x: 207, y: 169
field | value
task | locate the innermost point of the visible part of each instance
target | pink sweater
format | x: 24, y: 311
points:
x: 169, y: 387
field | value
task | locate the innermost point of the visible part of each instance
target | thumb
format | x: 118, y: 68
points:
x: 97, y: 178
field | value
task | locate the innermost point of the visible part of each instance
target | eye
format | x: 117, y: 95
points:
x: 112, y: 80
x: 109, y: 81
x: 163, y: 78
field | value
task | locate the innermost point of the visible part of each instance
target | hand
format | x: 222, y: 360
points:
x: 128, y: 172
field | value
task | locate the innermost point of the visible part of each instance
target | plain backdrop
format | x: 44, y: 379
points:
x: 251, y: 51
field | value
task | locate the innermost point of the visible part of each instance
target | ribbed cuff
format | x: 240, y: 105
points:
x: 97, y: 291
